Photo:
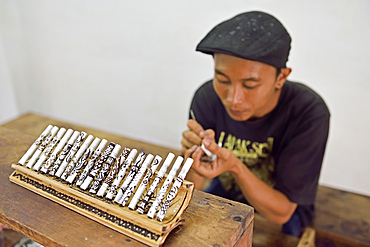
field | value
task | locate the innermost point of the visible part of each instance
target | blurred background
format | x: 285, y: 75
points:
x: 130, y: 67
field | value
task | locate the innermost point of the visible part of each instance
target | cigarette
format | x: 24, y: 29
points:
x: 145, y: 182
x: 121, y: 174
x: 164, y: 188
x: 206, y: 151
x: 81, y: 137
x: 64, y: 153
x: 42, y: 146
x: 49, y: 148
x: 56, y: 151
x: 91, y: 162
x: 128, y: 192
x: 94, y: 171
x: 75, y: 159
x: 104, y: 171
x: 135, y: 168
x: 33, y: 147
x: 113, y: 172
x: 83, y: 160
x: 175, y: 188
x: 154, y: 185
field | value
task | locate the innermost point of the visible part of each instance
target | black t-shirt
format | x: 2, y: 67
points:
x: 284, y: 149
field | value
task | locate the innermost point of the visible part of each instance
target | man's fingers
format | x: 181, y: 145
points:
x: 191, y: 138
x: 196, y: 127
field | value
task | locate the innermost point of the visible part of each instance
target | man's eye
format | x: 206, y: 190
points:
x: 223, y: 81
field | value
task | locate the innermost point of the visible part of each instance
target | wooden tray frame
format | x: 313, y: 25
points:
x: 129, y: 222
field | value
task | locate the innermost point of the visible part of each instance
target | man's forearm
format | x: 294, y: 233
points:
x: 271, y: 203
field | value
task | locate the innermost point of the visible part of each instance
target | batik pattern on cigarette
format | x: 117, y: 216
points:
x: 64, y: 153
x: 145, y: 182
x: 114, y: 171
x: 81, y: 137
x: 164, y: 188
x: 106, y: 168
x: 135, y: 168
x: 33, y: 147
x: 81, y: 163
x: 75, y: 159
x: 94, y: 171
x: 48, y: 149
x: 154, y: 185
x: 130, y: 189
x: 56, y: 151
x: 91, y: 162
x: 42, y: 146
x: 121, y: 174
x: 175, y: 188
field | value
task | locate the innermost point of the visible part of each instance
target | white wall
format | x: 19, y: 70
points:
x: 130, y: 67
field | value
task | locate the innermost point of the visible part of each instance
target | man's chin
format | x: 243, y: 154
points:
x: 239, y: 116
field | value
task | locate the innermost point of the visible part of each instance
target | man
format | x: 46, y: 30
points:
x: 269, y: 134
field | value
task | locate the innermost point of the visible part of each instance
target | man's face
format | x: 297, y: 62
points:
x: 247, y: 89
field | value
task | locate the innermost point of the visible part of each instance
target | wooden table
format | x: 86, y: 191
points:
x: 209, y: 220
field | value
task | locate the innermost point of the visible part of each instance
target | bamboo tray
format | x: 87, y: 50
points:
x: 129, y: 222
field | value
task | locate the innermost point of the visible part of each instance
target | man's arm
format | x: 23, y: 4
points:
x: 270, y: 202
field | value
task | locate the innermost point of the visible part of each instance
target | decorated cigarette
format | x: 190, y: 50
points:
x: 91, y: 162
x: 145, y: 182
x: 135, y: 168
x: 165, y: 186
x: 75, y: 159
x: 42, y: 146
x: 96, y: 168
x: 106, y: 168
x: 206, y: 151
x: 175, y: 188
x: 83, y: 160
x: 154, y: 185
x: 121, y: 174
x: 49, y: 148
x: 64, y: 153
x: 113, y: 172
x: 128, y: 192
x: 76, y: 146
x: 56, y: 151
x: 33, y: 147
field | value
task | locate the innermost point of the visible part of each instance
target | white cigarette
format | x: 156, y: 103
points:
x: 78, y: 155
x: 121, y: 174
x: 119, y: 162
x: 154, y: 185
x: 175, y: 188
x: 42, y: 146
x: 94, y: 171
x: 83, y: 160
x: 48, y: 149
x: 104, y: 171
x: 91, y: 162
x: 56, y: 151
x: 64, y: 153
x: 135, y: 168
x: 145, y: 182
x: 33, y: 147
x: 126, y: 196
x: 165, y: 186
x: 71, y: 153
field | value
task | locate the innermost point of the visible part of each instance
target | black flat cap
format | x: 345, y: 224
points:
x: 255, y: 36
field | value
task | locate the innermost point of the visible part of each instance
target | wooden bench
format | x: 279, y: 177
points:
x: 342, y: 218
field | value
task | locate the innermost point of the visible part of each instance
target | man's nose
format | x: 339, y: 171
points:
x: 236, y: 95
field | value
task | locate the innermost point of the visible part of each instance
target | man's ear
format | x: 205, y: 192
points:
x: 282, y: 77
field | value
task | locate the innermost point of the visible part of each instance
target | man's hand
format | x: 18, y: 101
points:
x: 224, y: 162
x: 193, y: 136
